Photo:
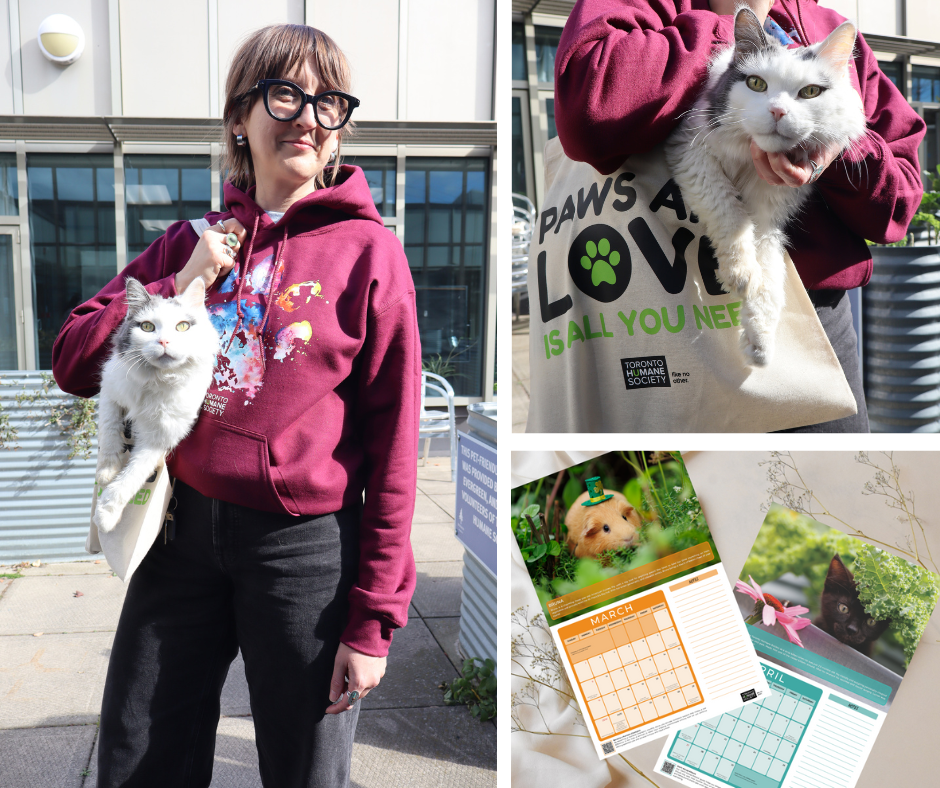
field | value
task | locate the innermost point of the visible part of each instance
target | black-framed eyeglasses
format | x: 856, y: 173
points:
x: 285, y: 101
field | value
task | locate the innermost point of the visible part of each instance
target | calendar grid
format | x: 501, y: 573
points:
x: 631, y: 669
x: 751, y: 746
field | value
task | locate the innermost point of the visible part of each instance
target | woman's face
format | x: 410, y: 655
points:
x: 287, y: 155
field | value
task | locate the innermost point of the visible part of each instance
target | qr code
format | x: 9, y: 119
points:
x: 668, y: 767
x: 607, y: 747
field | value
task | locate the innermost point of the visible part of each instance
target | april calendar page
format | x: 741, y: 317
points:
x: 635, y: 595
x: 835, y: 622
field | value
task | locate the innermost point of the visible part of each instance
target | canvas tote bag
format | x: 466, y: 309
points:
x: 127, y: 543
x: 630, y: 331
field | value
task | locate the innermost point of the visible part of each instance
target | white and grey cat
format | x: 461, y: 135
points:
x: 156, y: 377
x: 786, y: 100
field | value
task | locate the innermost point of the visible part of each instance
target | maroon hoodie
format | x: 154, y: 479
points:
x: 317, y: 387
x: 627, y: 69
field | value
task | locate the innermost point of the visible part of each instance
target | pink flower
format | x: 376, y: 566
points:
x: 771, y: 611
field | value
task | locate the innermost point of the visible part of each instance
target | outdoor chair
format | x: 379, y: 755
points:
x: 438, y: 422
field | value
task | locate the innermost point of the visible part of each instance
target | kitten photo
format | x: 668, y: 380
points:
x: 841, y: 613
x: 786, y: 100
x: 156, y: 378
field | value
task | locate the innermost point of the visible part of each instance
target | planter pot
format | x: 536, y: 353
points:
x: 901, y: 319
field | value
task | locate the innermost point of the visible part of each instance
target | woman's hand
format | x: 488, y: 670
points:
x: 778, y: 170
x: 210, y: 259
x: 353, y: 671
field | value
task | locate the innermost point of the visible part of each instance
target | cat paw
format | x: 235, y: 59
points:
x: 742, y: 278
x: 757, y: 353
x: 108, y: 468
x: 106, y: 518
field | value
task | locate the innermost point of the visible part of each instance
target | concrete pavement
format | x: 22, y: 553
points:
x: 54, y: 648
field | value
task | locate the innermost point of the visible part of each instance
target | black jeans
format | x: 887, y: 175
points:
x: 276, y: 587
x: 832, y: 308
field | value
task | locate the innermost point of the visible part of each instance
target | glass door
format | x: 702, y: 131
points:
x: 12, y: 355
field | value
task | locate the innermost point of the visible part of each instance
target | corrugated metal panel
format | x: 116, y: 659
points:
x: 477, y: 610
x: 45, y: 498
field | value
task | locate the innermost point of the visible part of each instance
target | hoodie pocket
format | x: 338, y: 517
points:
x: 232, y: 464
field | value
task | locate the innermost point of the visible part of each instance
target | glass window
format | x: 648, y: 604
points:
x: 546, y: 45
x: 446, y: 226
x: 9, y: 189
x: 519, y: 70
x: 925, y: 83
x: 380, y: 174
x: 550, y: 115
x: 71, y: 227
x: 518, y: 149
x: 930, y: 161
x: 893, y: 71
x: 7, y: 305
x: 161, y: 190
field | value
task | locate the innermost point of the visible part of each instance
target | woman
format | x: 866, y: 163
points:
x: 627, y: 69
x: 315, y: 399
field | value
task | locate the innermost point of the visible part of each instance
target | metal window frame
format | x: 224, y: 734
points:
x: 523, y: 96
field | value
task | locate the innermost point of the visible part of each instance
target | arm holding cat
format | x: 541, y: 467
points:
x: 84, y: 341
x: 626, y: 69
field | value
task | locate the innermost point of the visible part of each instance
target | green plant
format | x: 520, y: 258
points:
x: 74, y: 416
x: 11, y: 575
x: 474, y: 688
x: 890, y: 587
x: 445, y: 365
x: 929, y: 207
x: 8, y: 433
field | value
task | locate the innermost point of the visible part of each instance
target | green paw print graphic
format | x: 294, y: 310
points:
x: 600, y: 269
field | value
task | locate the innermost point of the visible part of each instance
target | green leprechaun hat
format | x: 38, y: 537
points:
x: 596, y: 491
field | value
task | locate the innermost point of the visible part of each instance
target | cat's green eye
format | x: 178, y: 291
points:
x: 843, y: 608
x: 147, y: 326
x: 810, y: 91
x: 182, y: 326
x: 872, y: 622
x: 756, y: 83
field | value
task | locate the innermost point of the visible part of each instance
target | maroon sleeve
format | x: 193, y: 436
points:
x: 626, y: 70
x: 388, y: 403
x: 877, y: 189
x: 83, y: 343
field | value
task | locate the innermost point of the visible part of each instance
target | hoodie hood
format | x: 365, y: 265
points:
x: 350, y: 197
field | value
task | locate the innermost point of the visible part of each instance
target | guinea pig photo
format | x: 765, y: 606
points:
x: 610, y: 525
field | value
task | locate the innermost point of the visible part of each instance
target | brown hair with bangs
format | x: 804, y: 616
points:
x: 274, y: 52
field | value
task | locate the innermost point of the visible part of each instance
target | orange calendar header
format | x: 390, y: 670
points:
x: 642, y: 606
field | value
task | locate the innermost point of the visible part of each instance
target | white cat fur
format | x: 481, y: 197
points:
x: 709, y: 154
x: 157, y: 380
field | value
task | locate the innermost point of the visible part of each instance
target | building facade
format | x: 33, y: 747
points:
x: 99, y: 157
x: 904, y: 34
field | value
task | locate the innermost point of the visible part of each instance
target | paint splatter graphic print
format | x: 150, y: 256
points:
x: 240, y: 365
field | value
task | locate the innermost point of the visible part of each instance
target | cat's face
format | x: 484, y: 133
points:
x: 165, y: 333
x: 790, y: 98
x: 843, y: 612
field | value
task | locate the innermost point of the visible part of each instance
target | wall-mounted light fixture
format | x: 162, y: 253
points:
x: 61, y: 39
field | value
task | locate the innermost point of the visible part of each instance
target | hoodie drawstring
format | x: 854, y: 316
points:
x: 272, y: 285
x: 797, y: 25
x: 243, y: 275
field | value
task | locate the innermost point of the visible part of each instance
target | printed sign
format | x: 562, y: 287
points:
x: 475, y: 522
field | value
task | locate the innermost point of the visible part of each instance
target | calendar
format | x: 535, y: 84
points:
x: 632, y: 670
x: 752, y: 746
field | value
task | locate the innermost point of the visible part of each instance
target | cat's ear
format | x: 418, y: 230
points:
x: 839, y: 575
x: 137, y: 296
x: 749, y: 38
x: 838, y: 46
x: 194, y: 295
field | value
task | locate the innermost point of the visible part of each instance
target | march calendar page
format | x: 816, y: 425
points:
x: 636, y: 597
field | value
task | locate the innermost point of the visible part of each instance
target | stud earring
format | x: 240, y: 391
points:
x: 240, y: 141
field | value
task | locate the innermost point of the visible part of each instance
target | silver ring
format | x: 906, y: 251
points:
x: 221, y: 226
x: 352, y: 696
x: 230, y: 252
x: 817, y: 171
